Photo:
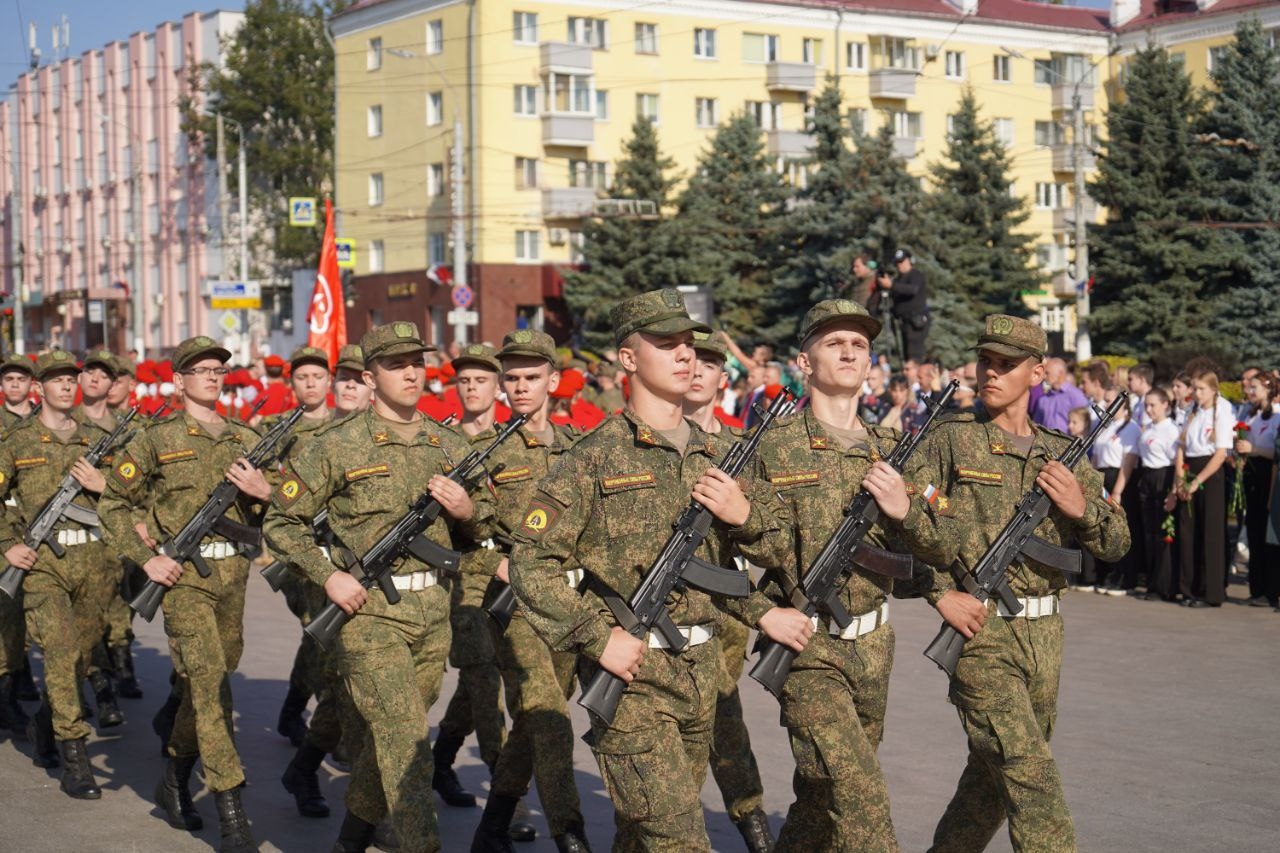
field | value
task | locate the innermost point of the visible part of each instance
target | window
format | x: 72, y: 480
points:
x: 1045, y: 73
x: 812, y: 51
x: 955, y: 65
x: 375, y: 120
x: 704, y: 43
x: 153, y: 156
x: 126, y: 66
x: 589, y: 173
x: 435, y: 108
x: 896, y: 53
x: 526, y: 245
x: 907, y: 125
x: 759, y: 48
x: 436, y: 246
x: 767, y: 114
x: 795, y: 173
x: 525, y: 27
x: 855, y: 56
x: 569, y: 93
x: 646, y: 38
x: 435, y: 180
x: 149, y: 48
x: 526, y: 100
x: 375, y: 189
x: 1049, y: 133
x: 592, y: 31
x: 1004, y: 131
x: 1216, y: 55
x: 176, y: 53
x: 55, y: 88
x: 373, y: 55
x: 951, y: 125
x: 577, y: 246
x: 647, y: 106
x: 708, y: 111
x: 602, y: 105
x: 1000, y: 69
x: 1050, y: 196
x: 860, y: 119
x: 435, y: 37
x: 526, y: 173
x: 377, y: 259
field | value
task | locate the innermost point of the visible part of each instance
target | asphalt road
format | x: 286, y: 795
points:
x: 1166, y: 738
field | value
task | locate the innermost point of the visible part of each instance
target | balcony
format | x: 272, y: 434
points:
x: 565, y: 57
x: 906, y: 147
x: 1062, y: 284
x: 893, y: 84
x: 568, y: 202
x: 791, y: 77
x: 1063, y: 94
x: 791, y: 144
x: 570, y: 130
x: 1064, y: 158
x: 1064, y: 218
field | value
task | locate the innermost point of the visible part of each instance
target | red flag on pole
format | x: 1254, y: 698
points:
x: 327, y: 316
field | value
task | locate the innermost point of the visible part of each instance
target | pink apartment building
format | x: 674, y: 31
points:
x: 110, y: 218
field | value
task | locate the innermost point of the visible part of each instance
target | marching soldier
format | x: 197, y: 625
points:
x: 16, y: 377
x: 166, y: 473
x: 366, y: 470
x: 1005, y: 686
x: 61, y: 596
x: 538, y: 681
x: 608, y: 506
x: 350, y: 393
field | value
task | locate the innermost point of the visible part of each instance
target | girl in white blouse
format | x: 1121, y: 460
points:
x: 1257, y: 449
x: 1114, y: 442
x: 1149, y: 466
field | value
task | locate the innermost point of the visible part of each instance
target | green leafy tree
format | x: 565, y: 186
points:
x: 624, y: 255
x: 277, y: 82
x: 728, y: 220
x: 989, y: 259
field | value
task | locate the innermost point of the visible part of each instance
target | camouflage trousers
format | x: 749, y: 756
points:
x: 119, y: 617
x: 539, y: 683
x: 653, y: 758
x: 833, y: 707
x: 204, y: 619
x: 314, y: 669
x: 392, y: 660
x: 13, y: 634
x: 476, y: 704
x: 64, y: 606
x: 1006, y: 692
x: 733, y: 765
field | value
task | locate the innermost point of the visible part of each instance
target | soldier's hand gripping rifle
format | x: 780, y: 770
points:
x: 60, y: 506
x: 1018, y: 539
x: 675, y: 567
x: 405, y: 537
x: 276, y: 572
x: 184, y: 547
x: 829, y: 572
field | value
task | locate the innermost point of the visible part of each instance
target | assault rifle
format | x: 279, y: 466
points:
x: 675, y: 567
x: 405, y: 537
x: 184, y: 547
x: 829, y: 572
x: 60, y: 506
x: 1018, y: 540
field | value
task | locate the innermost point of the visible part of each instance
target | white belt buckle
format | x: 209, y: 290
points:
x: 695, y: 634
x: 415, y: 582
x: 1032, y: 608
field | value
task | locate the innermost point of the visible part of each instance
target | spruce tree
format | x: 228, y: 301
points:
x: 989, y: 259
x: 624, y: 254
x: 727, y: 223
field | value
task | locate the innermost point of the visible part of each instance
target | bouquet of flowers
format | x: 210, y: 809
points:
x: 1236, y: 505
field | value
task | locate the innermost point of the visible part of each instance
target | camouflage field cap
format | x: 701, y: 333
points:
x: 17, y: 363
x: 659, y: 312
x: 477, y: 355
x: 101, y: 358
x: 830, y: 311
x: 392, y: 339
x: 125, y: 366
x: 308, y: 355
x: 531, y: 343
x: 709, y: 343
x: 53, y: 362
x: 1016, y: 337
x: 194, y: 349
x: 351, y: 357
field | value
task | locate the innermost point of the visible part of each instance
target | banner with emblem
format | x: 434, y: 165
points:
x: 327, y: 316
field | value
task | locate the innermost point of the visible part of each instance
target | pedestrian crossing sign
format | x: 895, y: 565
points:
x: 346, y: 253
x: 302, y: 211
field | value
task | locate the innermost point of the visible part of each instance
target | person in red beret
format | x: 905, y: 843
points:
x: 278, y: 393
x: 568, y: 407
x: 433, y: 405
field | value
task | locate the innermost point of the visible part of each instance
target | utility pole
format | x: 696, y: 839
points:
x: 459, y: 221
x: 19, y: 270
x: 138, y: 307
x: 1084, y: 346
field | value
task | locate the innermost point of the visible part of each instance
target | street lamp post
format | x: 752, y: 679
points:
x: 243, y: 205
x: 1084, y: 345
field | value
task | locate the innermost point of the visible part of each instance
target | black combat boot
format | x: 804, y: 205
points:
x: 104, y: 694
x: 300, y: 779
x: 126, y: 677
x: 26, y: 684
x: 77, y: 775
x: 354, y: 836
x: 44, y: 752
x: 754, y: 827
x: 233, y: 826
x: 162, y: 722
x: 443, y: 779
x: 493, y: 833
x: 173, y: 795
x: 522, y: 828
x: 290, y: 724
x: 12, y: 715
x: 573, y: 840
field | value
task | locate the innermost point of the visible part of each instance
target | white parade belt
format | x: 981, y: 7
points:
x: 416, y: 581
x: 218, y: 550
x: 860, y: 626
x: 695, y: 634
x: 70, y: 538
x: 1032, y: 608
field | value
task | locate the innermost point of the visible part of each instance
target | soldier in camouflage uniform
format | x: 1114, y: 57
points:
x: 539, y: 681
x: 733, y: 764
x: 366, y: 469
x: 350, y: 393
x: 16, y: 376
x: 1006, y: 683
x: 162, y: 478
x: 61, y: 596
x: 607, y: 507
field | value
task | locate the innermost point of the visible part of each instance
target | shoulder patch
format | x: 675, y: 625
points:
x: 353, y: 474
x: 795, y: 478
x: 175, y: 456
x: 508, y: 475
x: 539, y: 519
x: 126, y: 472
x: 623, y: 482
x: 290, y: 490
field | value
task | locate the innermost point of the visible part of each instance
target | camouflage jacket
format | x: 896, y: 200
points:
x: 165, y: 474
x: 33, y: 463
x: 367, y: 476
x: 608, y: 506
x: 304, y: 432
x: 979, y: 477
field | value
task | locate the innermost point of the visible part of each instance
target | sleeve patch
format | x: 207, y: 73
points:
x: 539, y: 519
x: 290, y: 490
x: 126, y: 472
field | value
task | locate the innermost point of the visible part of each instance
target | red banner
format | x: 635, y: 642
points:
x: 327, y: 316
